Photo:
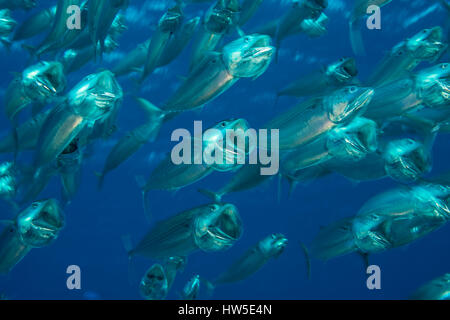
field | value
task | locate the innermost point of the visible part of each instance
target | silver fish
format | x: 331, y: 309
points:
x: 254, y: 259
x: 210, y: 228
x: 437, y: 289
x: 35, y: 227
x: 36, y: 24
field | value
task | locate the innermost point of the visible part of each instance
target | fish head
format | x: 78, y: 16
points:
x: 119, y: 25
x: 219, y: 18
x: 217, y: 227
x: 406, y: 160
x: 7, y: 23
x: 40, y: 223
x: 110, y: 44
x: 192, y: 287
x: 154, y: 285
x: 177, y: 261
x: 433, y: 85
x: 353, y: 141
x: 273, y: 245
x: 427, y: 44
x: 171, y: 20
x: 248, y: 56
x: 343, y: 70
x: 230, y: 141
x: 315, y: 27
x: 44, y: 80
x: 95, y: 96
x: 345, y: 104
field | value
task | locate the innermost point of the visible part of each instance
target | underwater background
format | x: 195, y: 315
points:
x: 96, y: 219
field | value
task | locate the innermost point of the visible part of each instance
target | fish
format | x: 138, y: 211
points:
x: 436, y: 289
x: 92, y: 99
x: 35, y: 24
x: 169, y: 175
x: 35, y: 227
x: 75, y: 59
x: 308, y: 120
x: 191, y: 288
x: 59, y: 31
x: 38, y: 83
x: 209, y: 228
x: 168, y: 24
x: 153, y: 285
x: 404, y: 160
x: 7, y: 25
x: 360, y: 9
x: 68, y: 164
x: 218, y: 21
x: 335, y: 75
x: 8, y: 181
x: 427, y: 45
x: 254, y: 259
x: 132, y: 141
x: 389, y: 220
x: 299, y: 11
x: 27, y: 135
x: 17, y: 4
x: 247, y: 56
x: 101, y: 15
x: 350, y: 143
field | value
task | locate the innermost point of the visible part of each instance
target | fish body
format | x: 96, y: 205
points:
x: 168, y: 24
x: 427, y: 45
x: 254, y: 259
x: 213, y: 227
x: 191, y: 288
x: 335, y: 75
x: 36, y: 24
x: 308, y: 120
x: 90, y: 100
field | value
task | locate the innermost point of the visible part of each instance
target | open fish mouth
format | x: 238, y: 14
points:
x: 45, y: 81
x: 427, y: 44
x: 219, y: 21
x: 344, y: 70
x: 409, y: 164
x: 218, y: 230
x: 347, y: 103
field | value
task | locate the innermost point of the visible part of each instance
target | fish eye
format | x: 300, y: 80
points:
x: 34, y: 205
x: 444, y: 66
x: 246, y: 39
x: 213, y: 207
x: 352, y: 89
x: 223, y: 124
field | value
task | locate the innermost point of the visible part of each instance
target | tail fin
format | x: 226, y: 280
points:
x: 356, y: 39
x: 307, y: 260
x: 216, y: 197
x: 155, y: 114
x: 334, y: 240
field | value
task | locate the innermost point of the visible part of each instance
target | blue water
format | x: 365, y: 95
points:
x: 96, y: 220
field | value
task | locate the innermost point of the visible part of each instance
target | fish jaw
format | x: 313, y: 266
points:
x: 95, y: 96
x: 44, y: 80
x: 355, y: 141
x: 347, y: 103
x: 249, y: 56
x: 218, y: 229
x: 40, y: 224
